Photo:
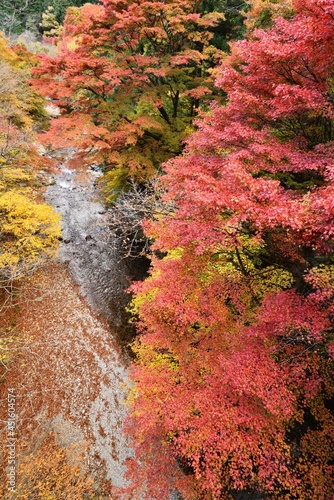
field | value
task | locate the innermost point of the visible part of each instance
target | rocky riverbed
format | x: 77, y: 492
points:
x: 102, y: 277
x: 88, y: 248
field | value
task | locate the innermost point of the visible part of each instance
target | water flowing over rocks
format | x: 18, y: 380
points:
x: 103, y: 278
x: 88, y: 249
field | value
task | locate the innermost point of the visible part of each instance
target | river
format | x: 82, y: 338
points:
x: 88, y: 247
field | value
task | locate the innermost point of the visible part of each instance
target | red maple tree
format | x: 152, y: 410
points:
x: 130, y: 76
x: 233, y: 374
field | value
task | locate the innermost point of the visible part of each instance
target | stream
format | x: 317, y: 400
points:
x: 88, y: 249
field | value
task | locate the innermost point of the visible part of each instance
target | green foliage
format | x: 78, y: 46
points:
x: 249, y: 260
x: 261, y: 13
x: 232, y: 27
x: 18, y: 15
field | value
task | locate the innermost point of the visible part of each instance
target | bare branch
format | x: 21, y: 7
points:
x: 125, y: 218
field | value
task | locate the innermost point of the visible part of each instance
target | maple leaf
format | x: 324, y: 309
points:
x: 113, y: 58
x: 235, y: 322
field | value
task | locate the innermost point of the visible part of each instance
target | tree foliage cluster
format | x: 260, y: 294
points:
x: 235, y: 358
x: 233, y: 375
x: 52, y: 472
x: 27, y: 226
x: 130, y: 78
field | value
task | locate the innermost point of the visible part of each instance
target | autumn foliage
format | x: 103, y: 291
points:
x: 52, y: 472
x: 28, y: 228
x: 234, y: 361
x: 130, y: 77
x: 233, y: 387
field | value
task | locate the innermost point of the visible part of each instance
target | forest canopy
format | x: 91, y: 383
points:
x: 18, y: 15
x: 233, y: 120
